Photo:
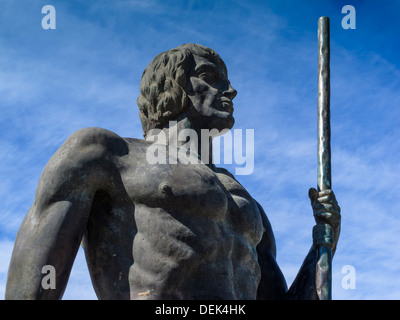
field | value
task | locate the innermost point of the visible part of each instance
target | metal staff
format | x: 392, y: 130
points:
x: 324, y: 263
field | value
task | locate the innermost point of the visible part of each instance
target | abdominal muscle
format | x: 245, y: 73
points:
x: 203, y: 259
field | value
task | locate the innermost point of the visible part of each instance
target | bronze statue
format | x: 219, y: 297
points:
x: 159, y: 231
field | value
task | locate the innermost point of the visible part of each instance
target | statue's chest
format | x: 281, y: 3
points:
x: 177, y: 187
x: 194, y: 190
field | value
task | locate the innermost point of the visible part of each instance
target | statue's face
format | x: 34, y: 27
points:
x: 211, y: 95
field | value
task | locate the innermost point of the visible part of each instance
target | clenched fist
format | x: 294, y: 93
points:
x: 327, y: 217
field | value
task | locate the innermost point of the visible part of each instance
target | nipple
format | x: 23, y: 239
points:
x: 165, y: 189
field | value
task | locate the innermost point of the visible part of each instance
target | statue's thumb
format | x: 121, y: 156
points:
x: 313, y: 194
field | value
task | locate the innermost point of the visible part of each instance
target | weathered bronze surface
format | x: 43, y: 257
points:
x: 324, y: 264
x: 324, y: 127
x: 158, y: 231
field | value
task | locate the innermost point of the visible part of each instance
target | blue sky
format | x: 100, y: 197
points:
x: 87, y: 71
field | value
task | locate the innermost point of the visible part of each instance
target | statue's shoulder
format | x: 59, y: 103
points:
x: 97, y: 144
x: 96, y: 138
x: 87, y: 145
x: 92, y: 135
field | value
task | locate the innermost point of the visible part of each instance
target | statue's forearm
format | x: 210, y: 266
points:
x: 303, y: 286
x: 48, y: 237
x: 42, y: 241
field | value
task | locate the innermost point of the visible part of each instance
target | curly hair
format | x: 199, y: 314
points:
x: 165, y: 82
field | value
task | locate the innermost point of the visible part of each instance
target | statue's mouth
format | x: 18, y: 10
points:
x: 227, y: 104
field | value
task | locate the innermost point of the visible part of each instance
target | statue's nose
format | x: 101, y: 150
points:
x: 230, y: 93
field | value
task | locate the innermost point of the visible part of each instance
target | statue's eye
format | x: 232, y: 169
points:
x: 209, y: 77
x: 204, y: 76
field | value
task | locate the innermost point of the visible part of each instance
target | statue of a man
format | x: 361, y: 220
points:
x: 158, y: 231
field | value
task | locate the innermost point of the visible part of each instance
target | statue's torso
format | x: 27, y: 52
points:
x: 193, y: 231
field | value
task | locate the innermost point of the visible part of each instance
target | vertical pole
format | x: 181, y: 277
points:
x: 324, y: 263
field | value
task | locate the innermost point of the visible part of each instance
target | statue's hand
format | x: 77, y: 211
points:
x: 327, y: 216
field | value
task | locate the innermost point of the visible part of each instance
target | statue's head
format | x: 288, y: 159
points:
x: 190, y: 79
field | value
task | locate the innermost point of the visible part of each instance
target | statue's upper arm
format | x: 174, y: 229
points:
x: 268, y: 239
x: 272, y: 284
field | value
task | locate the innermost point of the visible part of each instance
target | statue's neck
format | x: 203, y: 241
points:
x: 182, y: 133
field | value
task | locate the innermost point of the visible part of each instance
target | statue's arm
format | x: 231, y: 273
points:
x: 326, y: 232
x: 272, y: 285
x: 52, y: 230
x: 303, y: 286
